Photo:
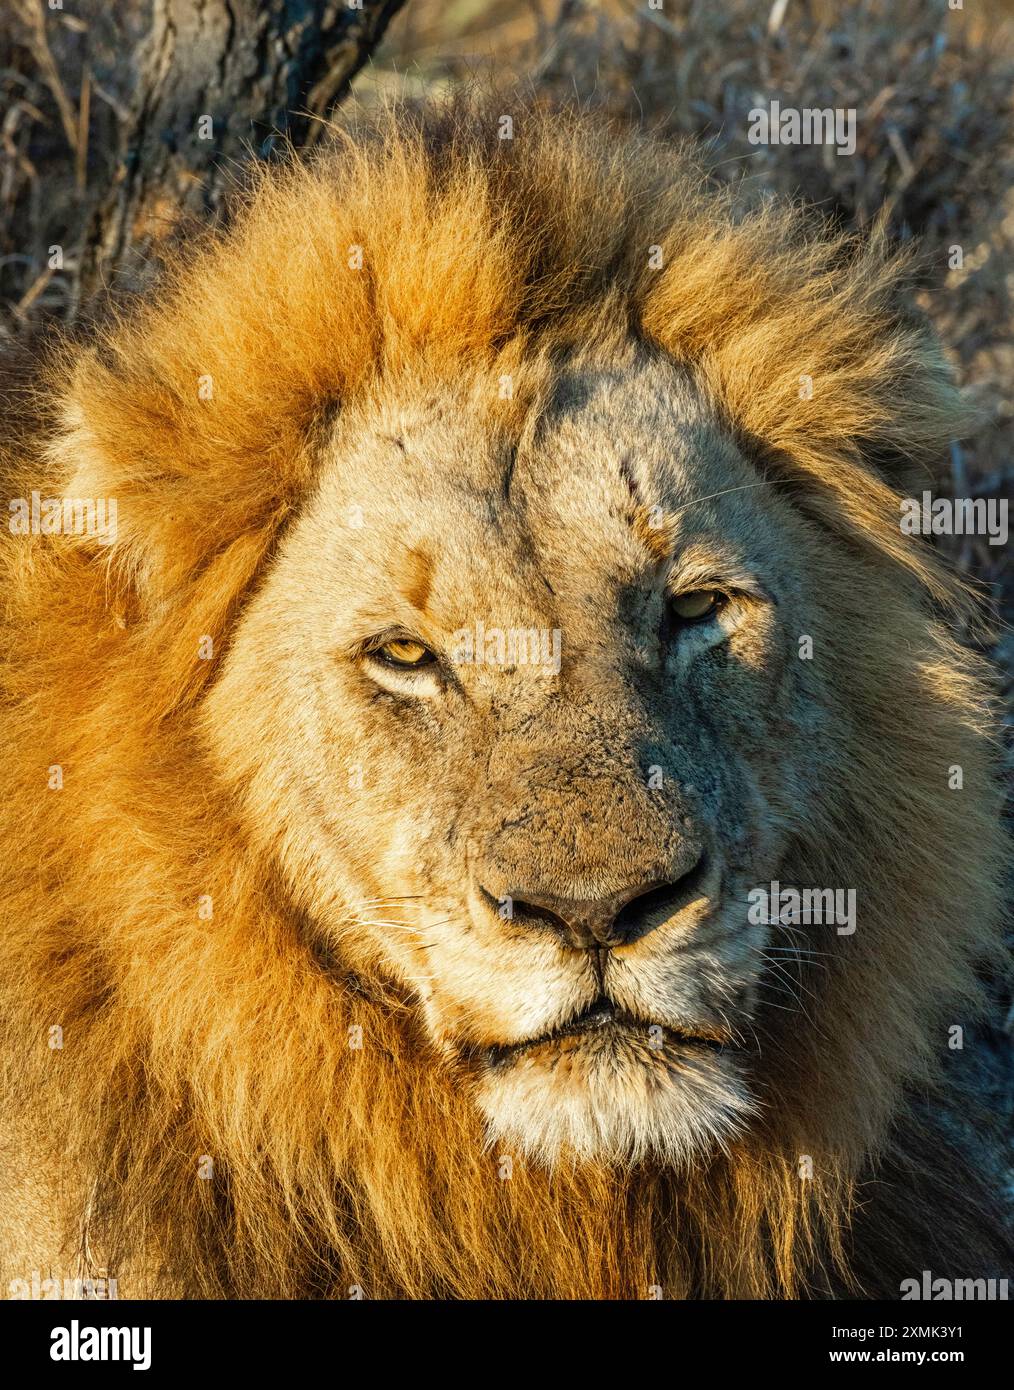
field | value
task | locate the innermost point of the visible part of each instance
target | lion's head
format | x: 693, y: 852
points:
x: 518, y: 706
x: 508, y: 590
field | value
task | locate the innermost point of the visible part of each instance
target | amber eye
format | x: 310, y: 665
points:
x: 697, y: 606
x: 403, y: 651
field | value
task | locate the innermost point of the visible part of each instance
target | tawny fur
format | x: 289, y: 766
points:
x: 185, y: 1037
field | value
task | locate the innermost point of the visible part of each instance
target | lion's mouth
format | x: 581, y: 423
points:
x: 603, y: 1016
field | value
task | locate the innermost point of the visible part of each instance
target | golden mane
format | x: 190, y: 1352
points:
x: 185, y: 1037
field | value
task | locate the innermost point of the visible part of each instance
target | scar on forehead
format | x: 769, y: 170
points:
x: 655, y: 538
x: 630, y: 478
x: 416, y: 577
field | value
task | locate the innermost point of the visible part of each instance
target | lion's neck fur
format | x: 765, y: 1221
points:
x: 210, y: 1174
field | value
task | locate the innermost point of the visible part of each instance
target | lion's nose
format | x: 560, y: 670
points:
x: 608, y: 921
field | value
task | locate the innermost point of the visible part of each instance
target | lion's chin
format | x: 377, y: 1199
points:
x: 611, y: 1097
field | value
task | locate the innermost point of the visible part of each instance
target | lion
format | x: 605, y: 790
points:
x: 499, y: 605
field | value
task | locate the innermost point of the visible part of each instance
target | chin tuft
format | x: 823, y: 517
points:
x: 613, y: 1103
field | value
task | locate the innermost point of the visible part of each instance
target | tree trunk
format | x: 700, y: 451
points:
x: 156, y: 104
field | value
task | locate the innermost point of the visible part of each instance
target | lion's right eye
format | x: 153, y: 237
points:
x: 404, y: 652
x: 696, y: 606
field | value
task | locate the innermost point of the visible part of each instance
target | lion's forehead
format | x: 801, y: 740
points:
x: 458, y: 505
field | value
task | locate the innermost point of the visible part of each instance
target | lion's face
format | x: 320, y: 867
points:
x: 521, y: 707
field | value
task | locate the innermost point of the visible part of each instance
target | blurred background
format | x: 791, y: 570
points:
x: 93, y: 94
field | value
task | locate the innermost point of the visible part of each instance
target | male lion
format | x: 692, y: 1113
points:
x: 505, y: 586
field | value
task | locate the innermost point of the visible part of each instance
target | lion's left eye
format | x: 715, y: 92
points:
x: 405, y: 652
x: 697, y: 606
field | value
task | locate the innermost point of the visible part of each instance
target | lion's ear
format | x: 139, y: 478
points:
x: 84, y: 463
x: 901, y: 472
x: 923, y: 412
x: 174, y: 521
x: 180, y: 545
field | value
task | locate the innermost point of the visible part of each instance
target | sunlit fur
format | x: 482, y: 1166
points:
x: 229, y: 1037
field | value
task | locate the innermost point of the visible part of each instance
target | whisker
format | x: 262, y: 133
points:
x: 764, y: 482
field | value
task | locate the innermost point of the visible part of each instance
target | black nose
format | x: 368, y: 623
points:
x: 610, y: 921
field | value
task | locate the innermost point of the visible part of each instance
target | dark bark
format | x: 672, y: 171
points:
x: 131, y: 91
x: 259, y: 71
